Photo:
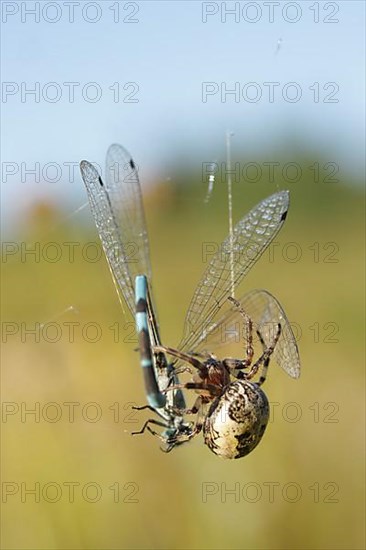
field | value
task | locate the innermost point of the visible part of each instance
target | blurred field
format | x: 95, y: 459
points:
x: 302, y: 488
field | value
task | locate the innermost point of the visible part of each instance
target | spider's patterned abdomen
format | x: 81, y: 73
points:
x: 236, y: 420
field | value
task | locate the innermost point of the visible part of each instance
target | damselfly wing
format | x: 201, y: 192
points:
x: 117, y: 208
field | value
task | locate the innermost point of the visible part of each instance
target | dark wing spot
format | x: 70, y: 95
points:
x: 284, y: 216
x: 100, y: 182
x: 132, y: 164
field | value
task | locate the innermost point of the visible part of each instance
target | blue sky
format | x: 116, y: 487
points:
x: 160, y: 55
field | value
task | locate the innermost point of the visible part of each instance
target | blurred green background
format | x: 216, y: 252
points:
x: 302, y: 487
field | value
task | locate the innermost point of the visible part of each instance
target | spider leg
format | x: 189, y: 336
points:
x: 265, y: 357
x: 249, y: 352
x: 193, y: 410
x: 199, y: 423
x: 202, y: 354
x: 184, y: 357
x: 180, y: 370
x: 212, y: 389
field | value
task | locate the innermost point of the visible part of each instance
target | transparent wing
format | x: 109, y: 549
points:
x: 266, y: 312
x: 123, y: 186
x: 117, y: 208
x: 236, y: 257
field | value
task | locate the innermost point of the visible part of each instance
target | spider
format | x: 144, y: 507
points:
x: 238, y: 410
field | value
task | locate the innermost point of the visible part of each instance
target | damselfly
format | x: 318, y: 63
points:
x: 232, y: 413
x: 116, y: 204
